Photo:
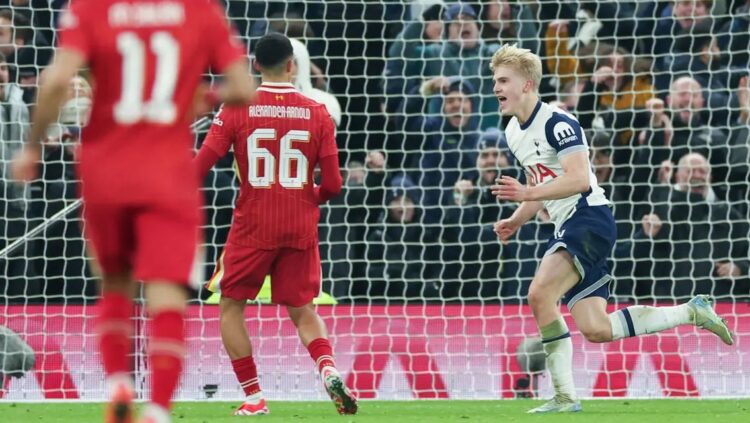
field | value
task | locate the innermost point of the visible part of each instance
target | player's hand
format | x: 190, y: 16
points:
x: 462, y: 190
x: 560, y: 26
x: 375, y: 161
x: 665, y: 172
x: 505, y: 229
x: 743, y: 95
x: 440, y: 84
x: 743, y: 92
x: 204, y: 101
x: 508, y: 188
x: 726, y: 269
x: 604, y: 75
x: 26, y: 164
x: 317, y: 76
x: 651, y: 224
x: 655, y: 106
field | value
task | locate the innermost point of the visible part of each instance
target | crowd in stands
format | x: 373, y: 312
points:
x: 660, y: 87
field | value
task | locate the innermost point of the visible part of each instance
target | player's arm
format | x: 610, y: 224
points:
x: 217, y: 143
x: 328, y: 159
x: 528, y: 208
x: 227, y: 56
x: 205, y: 160
x: 330, y: 179
x: 238, y: 86
x: 526, y: 211
x: 574, y: 180
x: 52, y: 91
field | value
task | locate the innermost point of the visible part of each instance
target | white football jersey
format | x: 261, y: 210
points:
x: 551, y: 133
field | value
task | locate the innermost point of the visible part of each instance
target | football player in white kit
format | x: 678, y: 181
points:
x: 553, y: 151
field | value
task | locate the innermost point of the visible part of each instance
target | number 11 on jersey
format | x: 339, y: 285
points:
x: 160, y: 108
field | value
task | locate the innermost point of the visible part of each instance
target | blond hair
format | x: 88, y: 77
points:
x: 528, y: 64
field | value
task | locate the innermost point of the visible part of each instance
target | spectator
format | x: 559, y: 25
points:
x: 569, y: 95
x: 41, y: 14
x: 29, y: 53
x: 350, y: 217
x: 739, y: 150
x: 734, y: 37
x: 614, y: 92
x: 399, y: 267
x: 673, y: 33
x: 704, y: 65
x: 473, y: 259
x: 441, y: 149
x: 60, y: 254
x: 506, y: 22
x: 463, y: 54
x: 692, y: 242
x: 668, y: 139
x: 14, y: 121
x: 404, y: 62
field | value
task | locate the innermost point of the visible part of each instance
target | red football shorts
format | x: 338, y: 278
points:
x: 241, y: 270
x: 157, y: 241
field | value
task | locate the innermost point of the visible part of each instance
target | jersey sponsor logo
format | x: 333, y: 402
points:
x: 560, y: 234
x: 539, y: 173
x: 564, y: 133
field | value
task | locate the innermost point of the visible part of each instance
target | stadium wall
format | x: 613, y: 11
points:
x: 389, y: 352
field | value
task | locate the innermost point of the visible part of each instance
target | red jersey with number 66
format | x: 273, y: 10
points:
x: 278, y: 140
x: 147, y: 59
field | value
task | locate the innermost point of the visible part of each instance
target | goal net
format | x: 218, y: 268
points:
x: 420, y: 297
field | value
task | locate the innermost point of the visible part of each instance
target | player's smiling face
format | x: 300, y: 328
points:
x: 510, y: 89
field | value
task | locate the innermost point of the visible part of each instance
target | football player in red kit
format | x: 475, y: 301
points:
x: 278, y: 140
x: 138, y: 184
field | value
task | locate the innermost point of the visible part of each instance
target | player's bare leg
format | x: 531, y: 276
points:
x: 556, y: 275
x: 115, y: 330
x: 590, y: 315
x: 166, y: 303
x: 240, y: 350
x: 314, y: 336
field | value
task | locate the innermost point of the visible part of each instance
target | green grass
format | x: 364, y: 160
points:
x: 616, y: 411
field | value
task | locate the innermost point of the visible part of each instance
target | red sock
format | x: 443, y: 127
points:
x: 115, y: 332
x: 166, y: 352
x: 247, y: 374
x: 321, y: 352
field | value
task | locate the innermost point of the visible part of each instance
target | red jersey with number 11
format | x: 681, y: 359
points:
x: 147, y: 58
x: 278, y: 140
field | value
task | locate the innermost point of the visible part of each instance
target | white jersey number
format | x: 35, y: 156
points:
x: 288, y: 157
x: 160, y: 109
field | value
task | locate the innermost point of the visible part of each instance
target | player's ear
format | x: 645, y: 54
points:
x: 256, y: 66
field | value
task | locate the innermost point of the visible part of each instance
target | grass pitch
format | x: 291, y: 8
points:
x: 616, y: 411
